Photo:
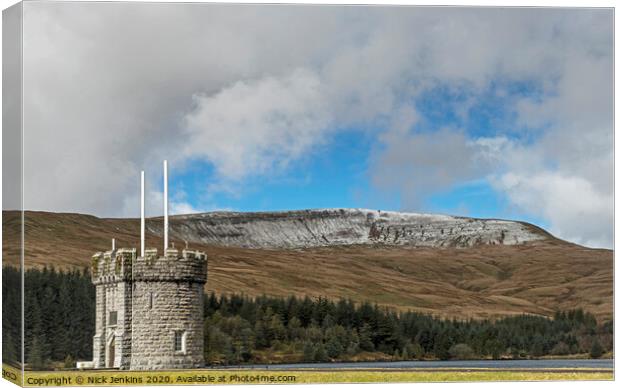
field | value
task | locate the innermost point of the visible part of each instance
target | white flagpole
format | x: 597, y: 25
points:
x: 142, y: 213
x: 165, y: 205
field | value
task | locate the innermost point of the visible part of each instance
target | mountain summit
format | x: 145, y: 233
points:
x: 333, y: 227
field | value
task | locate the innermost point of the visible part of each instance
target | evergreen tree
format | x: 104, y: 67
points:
x: 320, y: 355
x: 405, y: 354
x: 443, y: 343
x: 416, y: 351
x: 9, y: 352
x: 596, y: 351
x: 538, y: 347
x: 262, y: 337
x: 333, y: 347
x: 294, y: 329
x: 494, y: 348
x: 309, y: 351
x: 276, y: 330
x: 36, y: 359
x: 365, y: 336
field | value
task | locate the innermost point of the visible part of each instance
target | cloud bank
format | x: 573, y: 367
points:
x: 112, y: 88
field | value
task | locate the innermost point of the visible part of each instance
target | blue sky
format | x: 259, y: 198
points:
x: 335, y: 174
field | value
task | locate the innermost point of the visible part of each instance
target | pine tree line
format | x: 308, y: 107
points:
x: 11, y: 315
x: 59, y: 316
x: 60, y: 322
x: 239, y: 329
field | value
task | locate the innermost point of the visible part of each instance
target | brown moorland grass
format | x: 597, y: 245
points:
x: 480, y: 282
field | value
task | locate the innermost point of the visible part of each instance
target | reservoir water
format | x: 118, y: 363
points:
x: 473, y: 364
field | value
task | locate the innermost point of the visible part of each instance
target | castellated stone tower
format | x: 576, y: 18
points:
x: 149, y: 312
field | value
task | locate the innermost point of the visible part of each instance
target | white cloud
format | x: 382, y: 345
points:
x: 183, y: 208
x: 419, y: 164
x: 258, y: 127
x: 575, y: 209
x: 115, y: 88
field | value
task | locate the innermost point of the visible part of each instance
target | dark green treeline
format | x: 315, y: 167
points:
x: 238, y: 327
x: 59, y: 316
x: 60, y: 321
x: 11, y: 315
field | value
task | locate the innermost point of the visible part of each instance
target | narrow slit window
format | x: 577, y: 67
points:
x: 179, y: 341
x: 150, y: 302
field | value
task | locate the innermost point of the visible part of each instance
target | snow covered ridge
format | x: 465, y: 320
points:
x: 331, y: 227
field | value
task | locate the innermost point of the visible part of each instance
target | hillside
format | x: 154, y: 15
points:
x: 338, y: 227
x: 448, y: 266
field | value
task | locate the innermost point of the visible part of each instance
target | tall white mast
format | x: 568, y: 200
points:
x: 142, y: 213
x: 165, y: 205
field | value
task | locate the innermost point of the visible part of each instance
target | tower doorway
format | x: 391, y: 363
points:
x: 111, y: 353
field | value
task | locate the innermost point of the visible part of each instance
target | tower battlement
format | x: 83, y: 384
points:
x: 112, y: 266
x: 175, y: 266
x: 123, y: 265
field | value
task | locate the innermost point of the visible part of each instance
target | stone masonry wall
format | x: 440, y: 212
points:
x: 176, y: 306
x: 111, y: 273
x: 99, y: 338
x: 168, y: 298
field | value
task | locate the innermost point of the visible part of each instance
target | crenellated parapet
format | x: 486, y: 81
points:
x: 112, y: 266
x: 185, y: 266
x: 124, y: 265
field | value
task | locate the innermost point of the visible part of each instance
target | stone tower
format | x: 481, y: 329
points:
x: 149, y: 312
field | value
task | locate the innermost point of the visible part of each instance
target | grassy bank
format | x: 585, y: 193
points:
x: 214, y: 376
x: 443, y: 376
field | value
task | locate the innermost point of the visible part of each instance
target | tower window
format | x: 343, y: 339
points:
x: 179, y: 341
x: 151, y: 298
x: 112, y: 318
